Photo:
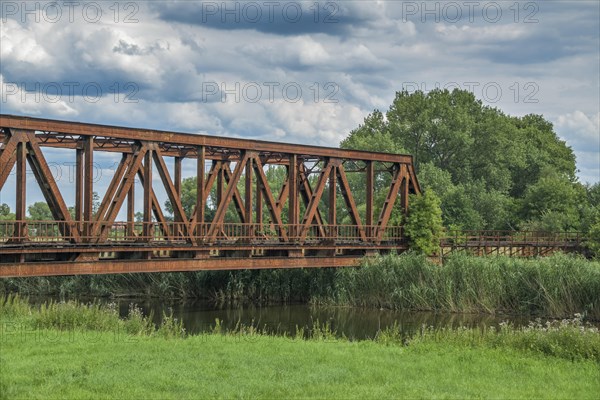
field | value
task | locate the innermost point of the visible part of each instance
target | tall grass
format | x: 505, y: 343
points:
x: 557, y: 286
x: 74, y: 315
x: 571, y: 339
x: 264, y: 286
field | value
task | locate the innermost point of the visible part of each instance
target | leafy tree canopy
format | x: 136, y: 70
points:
x: 490, y: 170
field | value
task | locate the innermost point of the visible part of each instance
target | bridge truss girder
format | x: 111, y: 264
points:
x: 315, y: 178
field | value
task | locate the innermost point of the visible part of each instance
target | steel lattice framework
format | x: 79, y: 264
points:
x: 292, y: 225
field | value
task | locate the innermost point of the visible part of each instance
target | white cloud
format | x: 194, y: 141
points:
x: 582, y: 132
x: 369, y: 58
x: 493, y: 33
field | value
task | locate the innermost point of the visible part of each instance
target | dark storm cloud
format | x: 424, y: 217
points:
x: 276, y: 17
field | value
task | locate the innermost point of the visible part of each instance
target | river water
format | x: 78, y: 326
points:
x: 354, y: 323
x: 351, y: 322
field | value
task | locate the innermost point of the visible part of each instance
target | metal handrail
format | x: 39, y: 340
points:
x: 95, y: 232
x: 267, y: 233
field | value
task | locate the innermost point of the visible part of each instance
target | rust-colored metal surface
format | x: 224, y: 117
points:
x: 170, y: 265
x: 241, y: 217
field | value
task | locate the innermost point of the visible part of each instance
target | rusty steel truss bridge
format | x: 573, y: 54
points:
x: 240, y: 218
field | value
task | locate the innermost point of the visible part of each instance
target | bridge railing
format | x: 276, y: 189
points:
x: 511, y: 238
x: 129, y: 232
x: 33, y: 232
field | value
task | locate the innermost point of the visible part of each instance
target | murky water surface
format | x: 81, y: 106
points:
x: 354, y: 323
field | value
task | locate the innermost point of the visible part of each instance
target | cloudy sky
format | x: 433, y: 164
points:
x: 298, y: 71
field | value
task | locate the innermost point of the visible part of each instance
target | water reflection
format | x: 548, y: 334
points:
x: 354, y: 323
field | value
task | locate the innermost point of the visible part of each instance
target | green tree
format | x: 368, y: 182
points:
x: 423, y: 225
x: 5, y: 214
x: 39, y: 211
x: 551, y: 203
x: 489, y: 169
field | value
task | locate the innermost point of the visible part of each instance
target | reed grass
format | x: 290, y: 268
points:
x: 74, y: 315
x: 558, y: 286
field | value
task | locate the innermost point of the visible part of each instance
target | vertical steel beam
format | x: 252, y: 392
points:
x: 248, y: 195
x: 220, y: 187
x: 332, y: 220
x: 147, y: 230
x: 79, y: 172
x: 293, y: 205
x: 404, y: 194
x: 177, y: 176
x: 20, y: 212
x: 177, y: 189
x: 200, y: 198
x: 131, y: 212
x: 369, y: 197
x: 259, y: 204
x: 88, y: 185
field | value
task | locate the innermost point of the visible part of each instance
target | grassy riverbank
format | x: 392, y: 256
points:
x: 69, y: 350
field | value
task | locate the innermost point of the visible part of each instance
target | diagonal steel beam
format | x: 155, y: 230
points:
x: 156, y: 210
x: 50, y: 190
x: 124, y: 164
x: 313, y: 204
x: 413, y: 179
x: 172, y: 193
x: 217, y: 222
x: 349, y: 199
x: 306, y: 193
x: 237, y: 197
x: 270, y: 201
x: 101, y: 227
x: 210, y: 180
x: 390, y: 200
x: 7, y: 157
x: 283, y: 195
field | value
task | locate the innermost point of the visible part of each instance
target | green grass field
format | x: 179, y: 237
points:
x: 76, y: 351
x: 90, y: 365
